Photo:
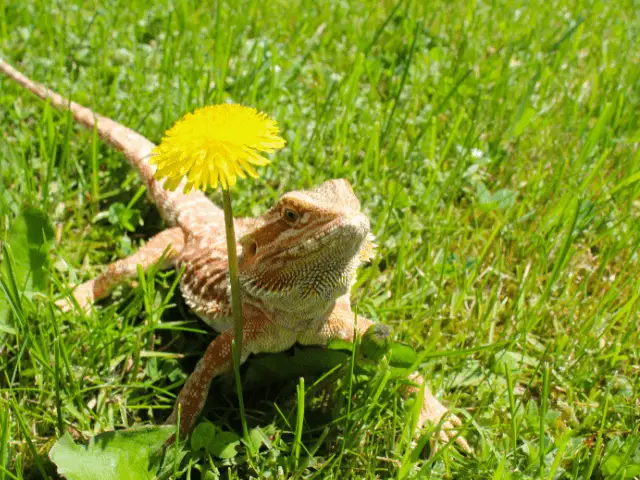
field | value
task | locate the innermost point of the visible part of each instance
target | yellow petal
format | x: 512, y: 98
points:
x: 215, y: 144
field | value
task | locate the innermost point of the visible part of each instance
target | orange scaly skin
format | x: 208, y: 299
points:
x: 297, y: 264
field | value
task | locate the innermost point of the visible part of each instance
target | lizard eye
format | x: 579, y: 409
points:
x: 291, y: 216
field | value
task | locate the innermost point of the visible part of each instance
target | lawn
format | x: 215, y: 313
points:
x: 494, y: 146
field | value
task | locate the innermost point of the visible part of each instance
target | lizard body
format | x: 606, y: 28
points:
x: 297, y: 264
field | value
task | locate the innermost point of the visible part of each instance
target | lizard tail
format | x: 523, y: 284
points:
x: 174, y: 206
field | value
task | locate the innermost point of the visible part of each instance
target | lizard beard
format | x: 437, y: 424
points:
x: 309, y: 283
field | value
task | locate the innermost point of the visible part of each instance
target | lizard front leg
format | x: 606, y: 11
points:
x: 340, y: 325
x: 259, y: 335
x: 169, y: 242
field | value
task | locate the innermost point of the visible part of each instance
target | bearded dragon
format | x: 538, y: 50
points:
x: 297, y: 264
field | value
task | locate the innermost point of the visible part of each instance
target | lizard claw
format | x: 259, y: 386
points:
x: 434, y: 412
x: 84, y: 296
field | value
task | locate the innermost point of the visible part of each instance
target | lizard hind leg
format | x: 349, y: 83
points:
x: 168, y: 243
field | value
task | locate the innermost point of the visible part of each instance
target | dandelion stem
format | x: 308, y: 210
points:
x: 236, y: 299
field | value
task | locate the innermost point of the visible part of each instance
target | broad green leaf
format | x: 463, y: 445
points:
x: 622, y: 456
x: 202, y: 434
x: 223, y: 445
x: 309, y: 361
x: 121, y: 455
x: 504, y: 199
x: 28, y: 240
x: 524, y: 121
x: 258, y: 437
x: 500, y: 200
x: 276, y: 367
x: 402, y: 355
x: 124, y: 217
x: 513, y: 361
x: 338, y: 344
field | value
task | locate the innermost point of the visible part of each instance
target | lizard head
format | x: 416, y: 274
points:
x: 303, y: 253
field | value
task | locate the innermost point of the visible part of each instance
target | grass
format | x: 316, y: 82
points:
x: 494, y: 145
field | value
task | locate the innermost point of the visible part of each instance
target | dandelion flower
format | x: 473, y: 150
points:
x: 215, y: 144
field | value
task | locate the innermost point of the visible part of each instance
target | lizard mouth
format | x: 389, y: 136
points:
x: 347, y: 234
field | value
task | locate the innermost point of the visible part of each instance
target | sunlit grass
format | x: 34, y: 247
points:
x: 495, y: 149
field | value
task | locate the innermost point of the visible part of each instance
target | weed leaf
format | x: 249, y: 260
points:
x: 122, y: 455
x: 28, y: 240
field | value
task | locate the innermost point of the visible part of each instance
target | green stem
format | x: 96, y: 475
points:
x: 243, y: 417
x: 236, y: 301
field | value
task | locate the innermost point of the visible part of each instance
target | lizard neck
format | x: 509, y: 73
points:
x: 294, y: 320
